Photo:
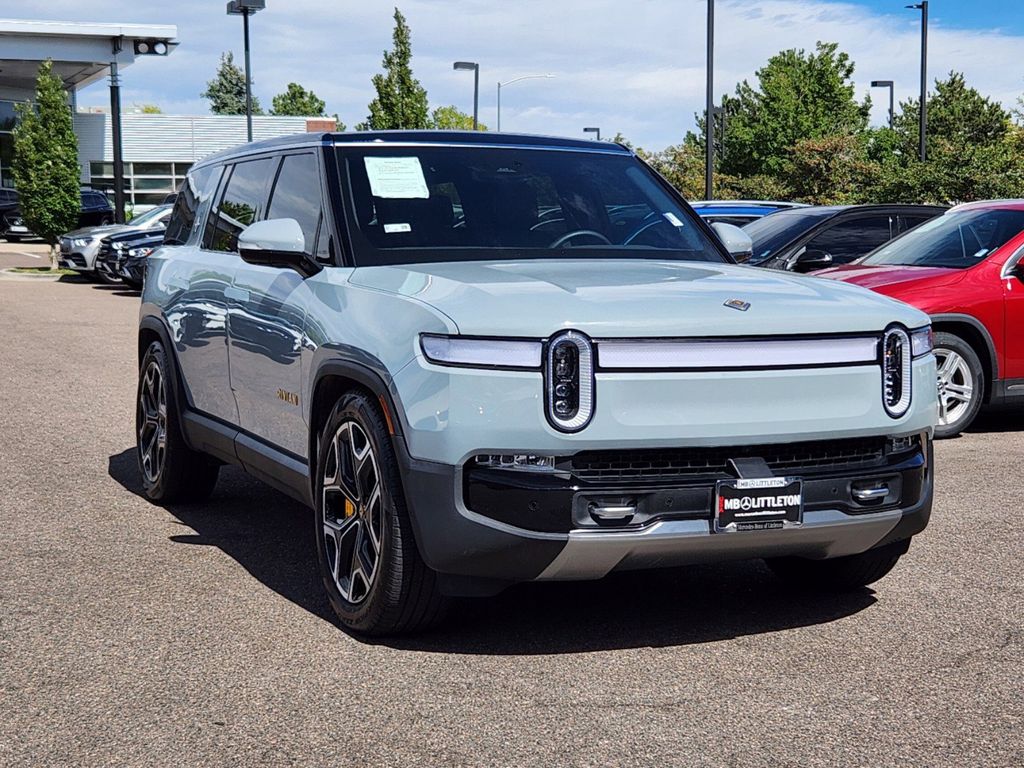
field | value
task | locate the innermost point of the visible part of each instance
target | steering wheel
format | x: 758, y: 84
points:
x: 578, y: 233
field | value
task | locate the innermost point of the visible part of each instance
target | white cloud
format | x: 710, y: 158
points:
x: 634, y: 67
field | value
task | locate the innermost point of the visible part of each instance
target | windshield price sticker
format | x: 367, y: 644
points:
x: 399, y: 178
x: 758, y: 504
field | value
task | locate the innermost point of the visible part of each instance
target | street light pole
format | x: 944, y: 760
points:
x: 593, y: 130
x: 515, y: 80
x: 245, y: 8
x: 892, y: 102
x: 709, y: 107
x: 466, y: 66
x: 923, y: 112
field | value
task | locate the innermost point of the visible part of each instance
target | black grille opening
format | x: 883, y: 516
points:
x: 661, y: 463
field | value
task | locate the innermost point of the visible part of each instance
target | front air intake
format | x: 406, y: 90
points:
x: 897, y: 366
x: 569, y: 381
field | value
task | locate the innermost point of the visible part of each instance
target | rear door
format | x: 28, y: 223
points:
x: 267, y: 316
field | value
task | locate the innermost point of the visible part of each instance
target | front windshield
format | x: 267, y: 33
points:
x: 149, y: 218
x: 772, y: 232
x: 955, y: 241
x: 471, y: 203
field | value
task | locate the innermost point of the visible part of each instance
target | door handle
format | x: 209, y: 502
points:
x: 238, y: 294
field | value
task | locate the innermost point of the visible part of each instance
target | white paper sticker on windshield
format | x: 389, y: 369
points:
x: 392, y: 228
x: 673, y: 219
x: 396, y: 177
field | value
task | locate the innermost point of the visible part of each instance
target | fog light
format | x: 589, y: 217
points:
x: 520, y: 461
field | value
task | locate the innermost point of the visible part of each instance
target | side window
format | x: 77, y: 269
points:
x: 240, y: 205
x: 297, y: 196
x: 186, y: 205
x: 911, y: 221
x: 853, y: 238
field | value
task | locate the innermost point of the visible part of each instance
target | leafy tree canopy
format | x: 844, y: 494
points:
x: 226, y: 91
x: 798, y: 96
x: 451, y: 118
x: 401, y: 101
x: 45, y: 167
x: 298, y: 102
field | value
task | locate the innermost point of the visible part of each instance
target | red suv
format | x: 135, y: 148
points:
x: 964, y: 269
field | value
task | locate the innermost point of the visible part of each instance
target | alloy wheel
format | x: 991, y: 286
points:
x: 352, y: 512
x: 956, y: 386
x: 152, y: 422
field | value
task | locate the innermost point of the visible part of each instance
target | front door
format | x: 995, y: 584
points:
x: 268, y: 310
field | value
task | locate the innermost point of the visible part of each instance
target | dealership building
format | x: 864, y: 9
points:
x: 157, y: 150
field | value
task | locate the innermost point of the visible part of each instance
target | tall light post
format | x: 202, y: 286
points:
x: 466, y: 66
x: 515, y: 80
x: 923, y: 129
x: 709, y: 107
x: 593, y: 130
x: 245, y: 8
x: 892, y: 102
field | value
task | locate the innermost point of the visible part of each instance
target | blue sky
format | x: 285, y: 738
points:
x: 635, y: 67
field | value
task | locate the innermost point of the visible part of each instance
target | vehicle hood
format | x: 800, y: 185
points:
x: 610, y: 298
x: 106, y: 229
x: 128, y: 234
x: 885, y: 276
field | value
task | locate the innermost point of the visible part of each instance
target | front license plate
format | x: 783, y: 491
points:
x: 758, y: 504
x: 17, y: 228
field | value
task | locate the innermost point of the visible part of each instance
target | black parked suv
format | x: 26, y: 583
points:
x: 807, y: 239
x: 96, y: 210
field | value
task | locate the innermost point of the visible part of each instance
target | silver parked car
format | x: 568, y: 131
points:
x: 79, y: 249
x: 483, y: 359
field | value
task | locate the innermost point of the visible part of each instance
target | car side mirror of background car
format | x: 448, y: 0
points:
x: 276, y: 243
x: 736, y: 241
x: 812, y: 259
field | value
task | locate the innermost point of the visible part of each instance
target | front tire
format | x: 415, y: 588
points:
x: 171, y: 471
x: 839, y: 574
x: 961, y: 381
x: 375, y: 579
x: 106, y: 278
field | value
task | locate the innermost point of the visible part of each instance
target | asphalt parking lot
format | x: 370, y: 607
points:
x: 135, y: 635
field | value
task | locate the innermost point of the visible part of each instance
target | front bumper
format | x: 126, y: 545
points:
x: 80, y: 258
x: 466, y: 523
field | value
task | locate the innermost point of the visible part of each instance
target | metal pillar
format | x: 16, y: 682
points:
x: 115, y: 136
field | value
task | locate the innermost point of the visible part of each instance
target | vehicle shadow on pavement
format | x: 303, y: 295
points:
x: 269, y: 535
x: 998, y: 420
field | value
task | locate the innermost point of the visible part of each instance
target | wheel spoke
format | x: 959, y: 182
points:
x: 951, y: 363
x: 959, y: 392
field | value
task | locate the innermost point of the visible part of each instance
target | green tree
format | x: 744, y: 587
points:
x: 149, y: 109
x: 973, y: 150
x: 299, y: 102
x: 401, y: 101
x: 798, y: 96
x: 451, y: 118
x: 45, y: 167
x: 226, y: 91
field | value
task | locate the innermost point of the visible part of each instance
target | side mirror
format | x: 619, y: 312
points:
x: 276, y: 243
x: 736, y: 241
x: 811, y: 260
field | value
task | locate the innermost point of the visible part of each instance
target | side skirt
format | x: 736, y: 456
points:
x: 278, y: 469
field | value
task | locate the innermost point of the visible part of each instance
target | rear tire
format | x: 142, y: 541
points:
x: 375, y: 579
x: 171, y: 471
x: 840, y: 573
x: 961, y: 382
x: 12, y: 238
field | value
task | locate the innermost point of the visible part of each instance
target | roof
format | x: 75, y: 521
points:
x: 80, y: 29
x: 1013, y: 205
x: 81, y: 51
x: 381, y: 138
x: 747, y: 203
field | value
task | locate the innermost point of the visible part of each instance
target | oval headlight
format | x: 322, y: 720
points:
x: 897, y: 371
x: 569, y: 381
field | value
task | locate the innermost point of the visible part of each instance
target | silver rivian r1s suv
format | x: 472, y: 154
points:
x: 483, y: 359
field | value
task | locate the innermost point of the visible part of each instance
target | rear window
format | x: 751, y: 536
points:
x: 457, y: 203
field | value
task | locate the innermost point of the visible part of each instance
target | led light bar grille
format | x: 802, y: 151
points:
x: 569, y: 381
